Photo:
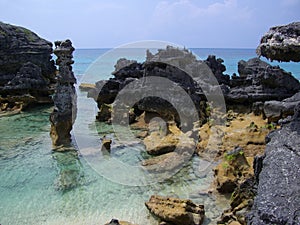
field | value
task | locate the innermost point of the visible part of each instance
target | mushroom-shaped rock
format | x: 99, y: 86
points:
x: 281, y: 43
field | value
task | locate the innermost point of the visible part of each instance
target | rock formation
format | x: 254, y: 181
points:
x: 256, y: 88
x: 278, y: 176
x: 176, y: 211
x: 277, y: 200
x: 64, y: 112
x: 276, y: 110
x: 258, y: 81
x: 281, y: 43
x: 234, y: 168
x: 27, y: 73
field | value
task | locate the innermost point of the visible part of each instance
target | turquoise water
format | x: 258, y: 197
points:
x: 231, y: 57
x: 39, y: 186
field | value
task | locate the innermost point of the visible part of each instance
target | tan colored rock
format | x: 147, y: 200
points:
x: 176, y: 211
x: 60, y: 133
x: 234, y: 223
x: 165, y: 140
x: 86, y: 86
x: 168, y: 162
x: 157, y: 144
x: 215, y: 140
x: 233, y: 169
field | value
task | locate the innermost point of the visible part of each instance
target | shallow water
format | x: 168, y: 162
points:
x: 39, y: 186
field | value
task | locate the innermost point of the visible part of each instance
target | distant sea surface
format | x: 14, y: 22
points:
x: 231, y: 57
x: 39, y: 186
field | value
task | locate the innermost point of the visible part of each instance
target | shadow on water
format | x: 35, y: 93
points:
x: 70, y: 171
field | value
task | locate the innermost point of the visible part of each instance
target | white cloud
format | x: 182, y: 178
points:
x: 186, y: 21
x: 187, y: 10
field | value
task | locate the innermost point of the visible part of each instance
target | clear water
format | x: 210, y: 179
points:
x: 39, y: 186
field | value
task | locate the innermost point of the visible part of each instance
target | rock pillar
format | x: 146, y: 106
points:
x: 64, y: 112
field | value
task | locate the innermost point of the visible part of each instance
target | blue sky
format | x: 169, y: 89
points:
x: 192, y: 23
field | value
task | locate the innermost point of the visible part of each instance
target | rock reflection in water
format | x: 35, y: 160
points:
x: 70, y: 173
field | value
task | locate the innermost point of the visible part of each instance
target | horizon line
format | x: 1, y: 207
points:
x: 94, y: 48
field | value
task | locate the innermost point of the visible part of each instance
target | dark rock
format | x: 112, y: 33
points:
x: 257, y: 108
x: 128, y: 69
x: 104, y: 114
x: 179, y: 67
x: 218, y: 68
x: 281, y: 43
x: 277, y: 200
x: 64, y: 113
x: 275, y: 110
x: 241, y: 202
x: 106, y: 144
x: 26, y: 67
x: 113, y: 222
x: 257, y: 166
x: 117, y: 222
x: 176, y: 211
x: 260, y: 82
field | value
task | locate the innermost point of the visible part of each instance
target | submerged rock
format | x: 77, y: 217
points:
x: 117, y: 222
x: 281, y: 43
x: 176, y: 211
x: 26, y: 67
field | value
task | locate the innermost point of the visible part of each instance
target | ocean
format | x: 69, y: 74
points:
x: 39, y: 186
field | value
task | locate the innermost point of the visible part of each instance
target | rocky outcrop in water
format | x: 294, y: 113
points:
x: 258, y: 81
x: 156, y: 94
x: 117, y: 222
x: 64, y: 112
x: 27, y: 73
x: 176, y: 211
x: 281, y: 43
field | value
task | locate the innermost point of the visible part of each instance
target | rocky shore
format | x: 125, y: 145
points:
x: 247, y: 124
x: 278, y: 170
x: 259, y: 100
x: 27, y: 71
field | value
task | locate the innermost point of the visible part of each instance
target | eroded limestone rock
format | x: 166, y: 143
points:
x: 176, y: 211
x: 64, y: 112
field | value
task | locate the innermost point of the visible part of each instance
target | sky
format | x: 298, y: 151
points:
x: 190, y: 23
